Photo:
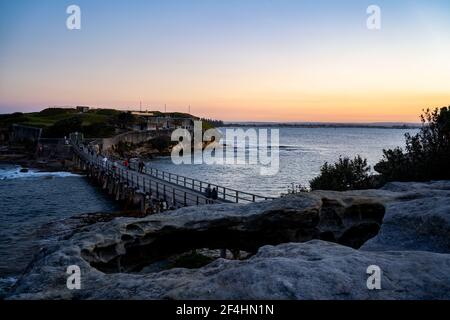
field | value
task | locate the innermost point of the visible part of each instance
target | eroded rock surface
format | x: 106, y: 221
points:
x: 287, y: 262
x: 236, y: 227
x: 418, y: 220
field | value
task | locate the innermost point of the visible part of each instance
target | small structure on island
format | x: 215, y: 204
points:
x: 154, y: 121
x: 82, y: 109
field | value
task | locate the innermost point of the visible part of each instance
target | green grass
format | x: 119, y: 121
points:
x: 46, y: 119
x: 98, y: 123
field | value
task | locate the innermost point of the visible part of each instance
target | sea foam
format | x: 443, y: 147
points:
x: 11, y: 173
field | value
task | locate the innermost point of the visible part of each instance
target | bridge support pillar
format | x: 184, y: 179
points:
x: 143, y: 203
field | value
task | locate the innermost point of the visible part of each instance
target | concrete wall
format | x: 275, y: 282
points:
x: 134, y: 137
x: 22, y: 133
x: 4, y: 135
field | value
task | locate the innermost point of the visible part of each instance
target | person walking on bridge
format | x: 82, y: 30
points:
x: 214, y: 194
x: 208, y: 191
x: 141, y: 166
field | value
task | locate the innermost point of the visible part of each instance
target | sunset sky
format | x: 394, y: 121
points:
x: 236, y: 60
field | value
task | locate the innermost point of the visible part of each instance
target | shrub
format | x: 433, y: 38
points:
x: 56, y: 111
x: 344, y: 175
x: 98, y: 130
x: 7, y: 120
x: 107, y: 112
x: 64, y: 128
x: 427, y: 154
x: 161, y: 143
x: 211, y: 123
x: 124, y: 119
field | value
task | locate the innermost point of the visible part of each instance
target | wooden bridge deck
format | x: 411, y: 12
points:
x: 176, y: 189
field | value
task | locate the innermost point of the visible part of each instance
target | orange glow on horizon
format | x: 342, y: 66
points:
x: 362, y: 107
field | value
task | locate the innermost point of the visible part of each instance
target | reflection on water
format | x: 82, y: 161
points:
x: 302, y: 152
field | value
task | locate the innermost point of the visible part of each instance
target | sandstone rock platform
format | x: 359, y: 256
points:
x: 309, y: 246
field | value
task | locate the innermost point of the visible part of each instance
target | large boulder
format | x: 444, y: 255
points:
x: 417, y: 219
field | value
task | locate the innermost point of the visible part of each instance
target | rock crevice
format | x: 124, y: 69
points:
x: 139, y: 244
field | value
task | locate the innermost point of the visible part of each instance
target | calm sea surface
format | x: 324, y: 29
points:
x: 30, y: 200
x: 302, y: 152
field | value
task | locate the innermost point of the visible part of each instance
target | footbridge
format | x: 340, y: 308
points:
x: 178, y: 190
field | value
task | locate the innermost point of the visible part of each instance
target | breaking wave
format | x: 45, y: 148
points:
x: 17, y: 172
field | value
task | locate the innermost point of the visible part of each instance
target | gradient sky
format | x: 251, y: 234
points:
x: 278, y: 60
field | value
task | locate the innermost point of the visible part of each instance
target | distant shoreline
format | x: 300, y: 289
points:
x: 323, y: 125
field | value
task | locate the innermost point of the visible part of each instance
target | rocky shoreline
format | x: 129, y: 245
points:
x: 308, y: 246
x: 42, y: 164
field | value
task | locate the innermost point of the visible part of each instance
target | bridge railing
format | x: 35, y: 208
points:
x: 153, y: 186
x: 224, y: 193
x: 145, y: 183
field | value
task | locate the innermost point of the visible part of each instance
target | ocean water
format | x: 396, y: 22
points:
x: 30, y: 200
x: 301, y: 154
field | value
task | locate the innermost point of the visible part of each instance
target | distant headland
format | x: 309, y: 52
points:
x: 106, y: 122
x: 371, y: 125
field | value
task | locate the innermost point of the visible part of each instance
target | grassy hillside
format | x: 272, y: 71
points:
x: 49, y: 117
x: 56, y: 122
x: 96, y: 123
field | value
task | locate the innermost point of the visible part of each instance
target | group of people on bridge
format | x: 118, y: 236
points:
x: 155, y: 205
x: 211, y: 193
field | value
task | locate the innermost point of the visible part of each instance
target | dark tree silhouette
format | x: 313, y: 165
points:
x: 344, y: 175
x: 124, y: 119
x: 64, y: 128
x: 427, y: 154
